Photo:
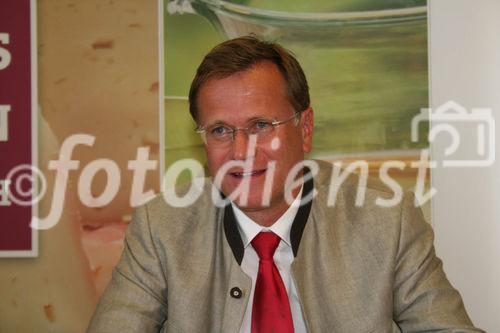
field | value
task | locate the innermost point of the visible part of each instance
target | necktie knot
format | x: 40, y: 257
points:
x: 265, y: 244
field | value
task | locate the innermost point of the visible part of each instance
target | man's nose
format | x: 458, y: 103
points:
x: 244, y: 145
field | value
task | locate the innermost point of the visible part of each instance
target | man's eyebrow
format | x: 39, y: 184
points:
x: 257, y: 118
x: 217, y: 122
x: 221, y: 122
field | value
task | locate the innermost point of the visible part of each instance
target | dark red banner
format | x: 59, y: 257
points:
x: 17, y: 120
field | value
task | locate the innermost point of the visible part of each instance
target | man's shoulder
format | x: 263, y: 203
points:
x: 181, y: 207
x: 350, y: 199
x: 348, y: 179
x: 363, y: 215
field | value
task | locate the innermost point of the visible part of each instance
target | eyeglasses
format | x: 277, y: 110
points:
x: 220, y: 134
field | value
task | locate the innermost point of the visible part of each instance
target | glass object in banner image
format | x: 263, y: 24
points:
x: 366, y: 62
x: 181, y: 141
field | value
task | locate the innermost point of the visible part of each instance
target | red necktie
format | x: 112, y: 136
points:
x: 271, y: 309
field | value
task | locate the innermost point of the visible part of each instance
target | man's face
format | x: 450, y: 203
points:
x: 238, y: 99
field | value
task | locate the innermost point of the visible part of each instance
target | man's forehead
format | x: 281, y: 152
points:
x: 263, y: 71
x: 257, y: 92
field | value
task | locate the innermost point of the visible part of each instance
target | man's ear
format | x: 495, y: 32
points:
x: 307, y: 125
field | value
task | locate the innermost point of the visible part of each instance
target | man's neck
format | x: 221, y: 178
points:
x: 268, y: 216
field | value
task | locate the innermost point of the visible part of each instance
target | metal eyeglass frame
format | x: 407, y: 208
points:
x: 203, y: 130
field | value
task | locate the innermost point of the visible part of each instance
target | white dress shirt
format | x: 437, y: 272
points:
x: 283, y: 258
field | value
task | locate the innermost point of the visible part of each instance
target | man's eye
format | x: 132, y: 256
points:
x: 220, y: 131
x: 262, y: 125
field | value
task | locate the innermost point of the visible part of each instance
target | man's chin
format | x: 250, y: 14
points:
x: 249, y: 199
x: 250, y: 205
x: 254, y: 200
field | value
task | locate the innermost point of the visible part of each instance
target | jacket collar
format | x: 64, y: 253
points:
x: 233, y: 235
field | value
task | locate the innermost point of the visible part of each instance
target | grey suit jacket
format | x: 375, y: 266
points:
x: 357, y: 269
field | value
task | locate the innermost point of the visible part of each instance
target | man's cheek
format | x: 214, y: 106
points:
x: 212, y: 165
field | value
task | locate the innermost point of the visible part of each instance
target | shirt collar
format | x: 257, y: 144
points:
x: 248, y: 228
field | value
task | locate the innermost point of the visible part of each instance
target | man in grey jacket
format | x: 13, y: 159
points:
x: 270, y: 242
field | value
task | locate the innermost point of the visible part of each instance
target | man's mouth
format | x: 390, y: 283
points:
x: 254, y: 173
